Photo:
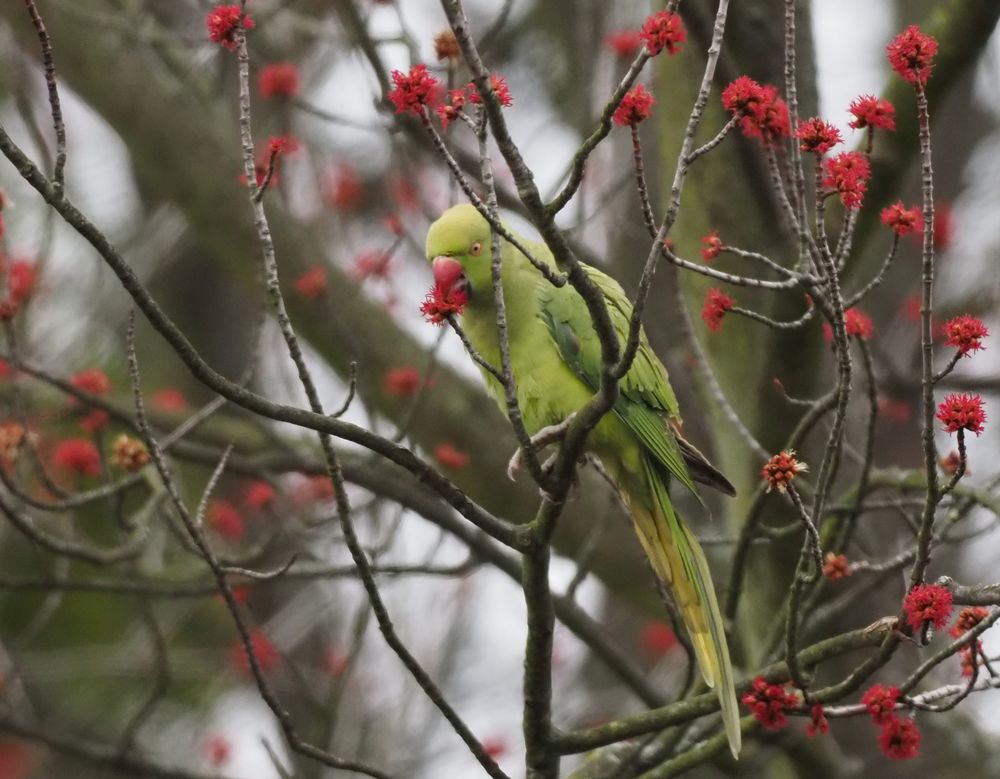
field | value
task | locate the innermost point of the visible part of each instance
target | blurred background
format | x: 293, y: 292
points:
x: 136, y: 654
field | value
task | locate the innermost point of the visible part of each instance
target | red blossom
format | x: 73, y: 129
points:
x: 93, y: 381
x: 658, y: 638
x: 311, y: 284
x: 779, y: 471
x: 663, y: 30
x: 848, y: 173
x: 881, y: 702
x: 836, y: 566
x: 21, y: 278
x: 446, y: 46
x: 894, y: 410
x: 856, y: 322
x: 414, y: 90
x: 316, y: 488
x: 401, y: 382
x: 450, y: 457
x: 374, y: 264
x: 949, y: 463
x: 911, y: 54
x: 495, y: 746
x: 712, y: 246
x: 965, y: 333
x: 927, y: 603
x: 768, y: 120
x: 716, y: 304
x: 16, y: 761
x: 634, y: 107
x: 225, y: 519
x: 910, y: 309
x: 343, y: 189
x: 743, y: 97
x: 441, y: 302
x: 12, y: 435
x: 264, y: 651
x: 499, y: 85
x: 819, y: 723
x: 280, y: 79
x: 817, y: 136
x: 450, y: 111
x: 169, y: 399
x: 899, y: 739
x: 901, y: 220
x: 967, y: 619
x: 870, y: 111
x: 624, y: 43
x: 967, y: 657
x: 258, y: 495
x: 94, y: 421
x: 962, y: 412
x: 394, y: 225
x: 943, y: 228
x: 767, y: 702
x: 77, y: 455
x: 283, y: 144
x: 223, y: 21
x: 218, y: 751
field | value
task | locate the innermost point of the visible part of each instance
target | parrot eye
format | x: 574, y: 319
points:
x: 476, y: 249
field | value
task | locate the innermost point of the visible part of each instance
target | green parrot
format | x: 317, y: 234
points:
x: 556, y: 360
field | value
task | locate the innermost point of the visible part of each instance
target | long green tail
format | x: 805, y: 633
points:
x: 679, y: 561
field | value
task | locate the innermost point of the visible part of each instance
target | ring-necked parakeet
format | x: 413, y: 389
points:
x: 556, y: 361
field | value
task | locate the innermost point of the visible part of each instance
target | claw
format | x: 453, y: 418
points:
x: 515, y: 463
x: 547, y: 435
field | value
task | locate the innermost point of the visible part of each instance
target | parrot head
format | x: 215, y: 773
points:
x: 458, y: 248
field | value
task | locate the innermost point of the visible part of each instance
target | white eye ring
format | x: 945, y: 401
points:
x: 476, y: 249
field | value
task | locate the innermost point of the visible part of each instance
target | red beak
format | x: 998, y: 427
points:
x: 447, y: 273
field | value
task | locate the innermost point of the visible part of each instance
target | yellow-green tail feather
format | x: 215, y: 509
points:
x: 679, y: 561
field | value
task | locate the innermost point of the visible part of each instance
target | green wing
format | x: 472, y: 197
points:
x: 646, y: 402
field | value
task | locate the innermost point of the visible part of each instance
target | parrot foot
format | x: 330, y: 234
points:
x: 541, y: 439
x: 547, y: 467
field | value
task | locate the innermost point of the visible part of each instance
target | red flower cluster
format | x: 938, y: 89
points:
x: 93, y: 381
x: 949, y: 463
x: 967, y: 657
x: 169, y: 399
x: 218, y: 751
x: 624, y: 43
x: 763, y: 115
x: 943, y: 227
x: 901, y: 220
x: 663, y: 30
x: 449, y: 112
x: 817, y: 136
x: 712, y: 247
x: 634, y: 107
x: 224, y: 518
x: 21, y: 278
x: 767, y: 703
x: 965, y: 333
x: 343, y: 188
x: 77, y: 455
x: 264, y: 651
x: 401, y: 382
x: 819, y: 723
x: 779, y: 471
x: 280, y: 79
x: 499, y: 84
x: 414, y: 90
x: 856, y: 323
x: 900, y: 739
x: 911, y: 54
x: 495, y: 746
x: 311, y: 284
x: 658, y: 638
x: 967, y: 619
x: 881, y: 702
x: 450, y: 457
x: 962, y: 412
x: 870, y: 111
x: 128, y: 453
x: 441, y: 302
x: 836, y: 566
x: 717, y: 303
x: 848, y: 173
x: 373, y: 264
x: 259, y: 495
x: 223, y: 21
x: 927, y: 603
